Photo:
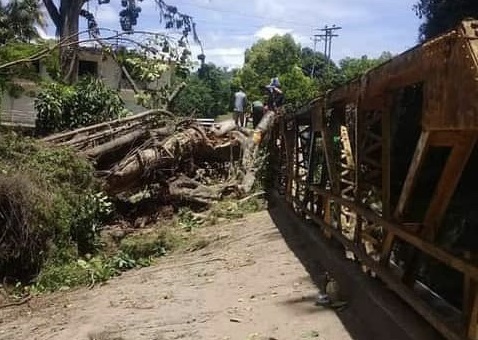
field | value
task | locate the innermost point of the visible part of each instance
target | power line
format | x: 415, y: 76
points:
x: 297, y: 23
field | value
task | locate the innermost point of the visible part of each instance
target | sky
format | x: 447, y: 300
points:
x: 228, y: 27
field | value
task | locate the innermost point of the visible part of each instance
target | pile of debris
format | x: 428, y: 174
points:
x: 156, y: 150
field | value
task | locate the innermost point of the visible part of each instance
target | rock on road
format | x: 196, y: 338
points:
x: 246, y: 284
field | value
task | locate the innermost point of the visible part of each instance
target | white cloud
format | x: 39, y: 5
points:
x: 231, y: 57
x: 268, y: 32
x: 106, y: 15
x: 226, y: 51
x: 228, y: 27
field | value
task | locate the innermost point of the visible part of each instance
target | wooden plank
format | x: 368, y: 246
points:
x: 347, y: 151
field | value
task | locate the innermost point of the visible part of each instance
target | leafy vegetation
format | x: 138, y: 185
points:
x: 18, y: 19
x: 441, y: 16
x: 352, y: 68
x: 208, y: 93
x: 65, y: 15
x: 277, y: 57
x: 314, y: 65
x: 49, y: 202
x: 156, y: 242
x: 137, y: 250
x: 17, y: 50
x: 62, y: 107
x: 302, y: 72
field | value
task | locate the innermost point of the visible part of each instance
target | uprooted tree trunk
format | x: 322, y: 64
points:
x: 160, y: 156
x: 169, y: 154
x: 195, y: 143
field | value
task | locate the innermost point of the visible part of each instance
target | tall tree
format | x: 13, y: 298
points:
x: 65, y: 15
x: 280, y: 57
x: 442, y: 15
x: 207, y: 93
x: 314, y: 65
x: 351, y: 68
x: 18, y: 19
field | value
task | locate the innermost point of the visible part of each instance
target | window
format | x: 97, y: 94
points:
x: 87, y: 68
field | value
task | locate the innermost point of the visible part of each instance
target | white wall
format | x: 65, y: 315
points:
x: 21, y: 110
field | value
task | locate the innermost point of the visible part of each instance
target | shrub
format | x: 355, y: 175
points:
x: 63, y: 107
x: 49, y: 202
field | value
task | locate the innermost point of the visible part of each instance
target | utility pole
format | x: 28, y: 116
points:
x: 327, y: 34
x: 315, y: 39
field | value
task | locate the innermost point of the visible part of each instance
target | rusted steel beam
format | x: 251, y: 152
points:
x: 407, y: 189
x: 386, y: 160
x: 444, y: 191
x: 446, y: 186
x: 412, y: 174
x: 400, y: 231
x: 390, y: 280
x: 472, y: 331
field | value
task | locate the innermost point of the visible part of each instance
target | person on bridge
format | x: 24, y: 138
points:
x: 275, y: 94
x: 240, y: 104
x: 257, y: 112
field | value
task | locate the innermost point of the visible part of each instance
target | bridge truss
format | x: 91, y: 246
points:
x: 380, y: 164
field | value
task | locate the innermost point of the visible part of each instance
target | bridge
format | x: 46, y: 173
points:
x: 386, y: 164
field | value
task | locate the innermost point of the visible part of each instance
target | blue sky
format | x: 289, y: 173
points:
x: 228, y: 27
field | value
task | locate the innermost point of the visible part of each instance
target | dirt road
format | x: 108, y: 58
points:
x: 246, y: 284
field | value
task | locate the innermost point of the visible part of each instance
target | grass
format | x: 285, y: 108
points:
x: 156, y: 242
x: 224, y: 117
x: 64, y: 271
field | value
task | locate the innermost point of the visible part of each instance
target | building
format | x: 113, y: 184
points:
x: 19, y: 110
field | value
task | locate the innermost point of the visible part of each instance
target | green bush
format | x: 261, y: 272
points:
x: 62, y: 107
x: 49, y: 202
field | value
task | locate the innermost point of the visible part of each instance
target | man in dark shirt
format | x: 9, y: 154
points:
x: 275, y: 94
x: 257, y: 112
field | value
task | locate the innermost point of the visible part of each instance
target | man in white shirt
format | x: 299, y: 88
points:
x: 240, y: 104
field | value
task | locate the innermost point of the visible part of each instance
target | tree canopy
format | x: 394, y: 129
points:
x: 207, y: 94
x: 18, y: 19
x: 302, y: 72
x: 65, y: 15
x: 351, y: 68
x: 314, y: 65
x: 442, y: 15
x: 280, y: 57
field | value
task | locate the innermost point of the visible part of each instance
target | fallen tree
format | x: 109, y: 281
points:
x: 154, y: 147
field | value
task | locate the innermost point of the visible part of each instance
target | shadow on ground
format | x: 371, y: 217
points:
x: 373, y: 311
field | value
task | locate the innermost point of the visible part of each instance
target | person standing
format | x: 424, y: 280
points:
x: 257, y: 112
x: 275, y: 94
x: 240, y: 103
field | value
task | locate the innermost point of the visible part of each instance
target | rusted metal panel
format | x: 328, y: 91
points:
x: 440, y: 77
